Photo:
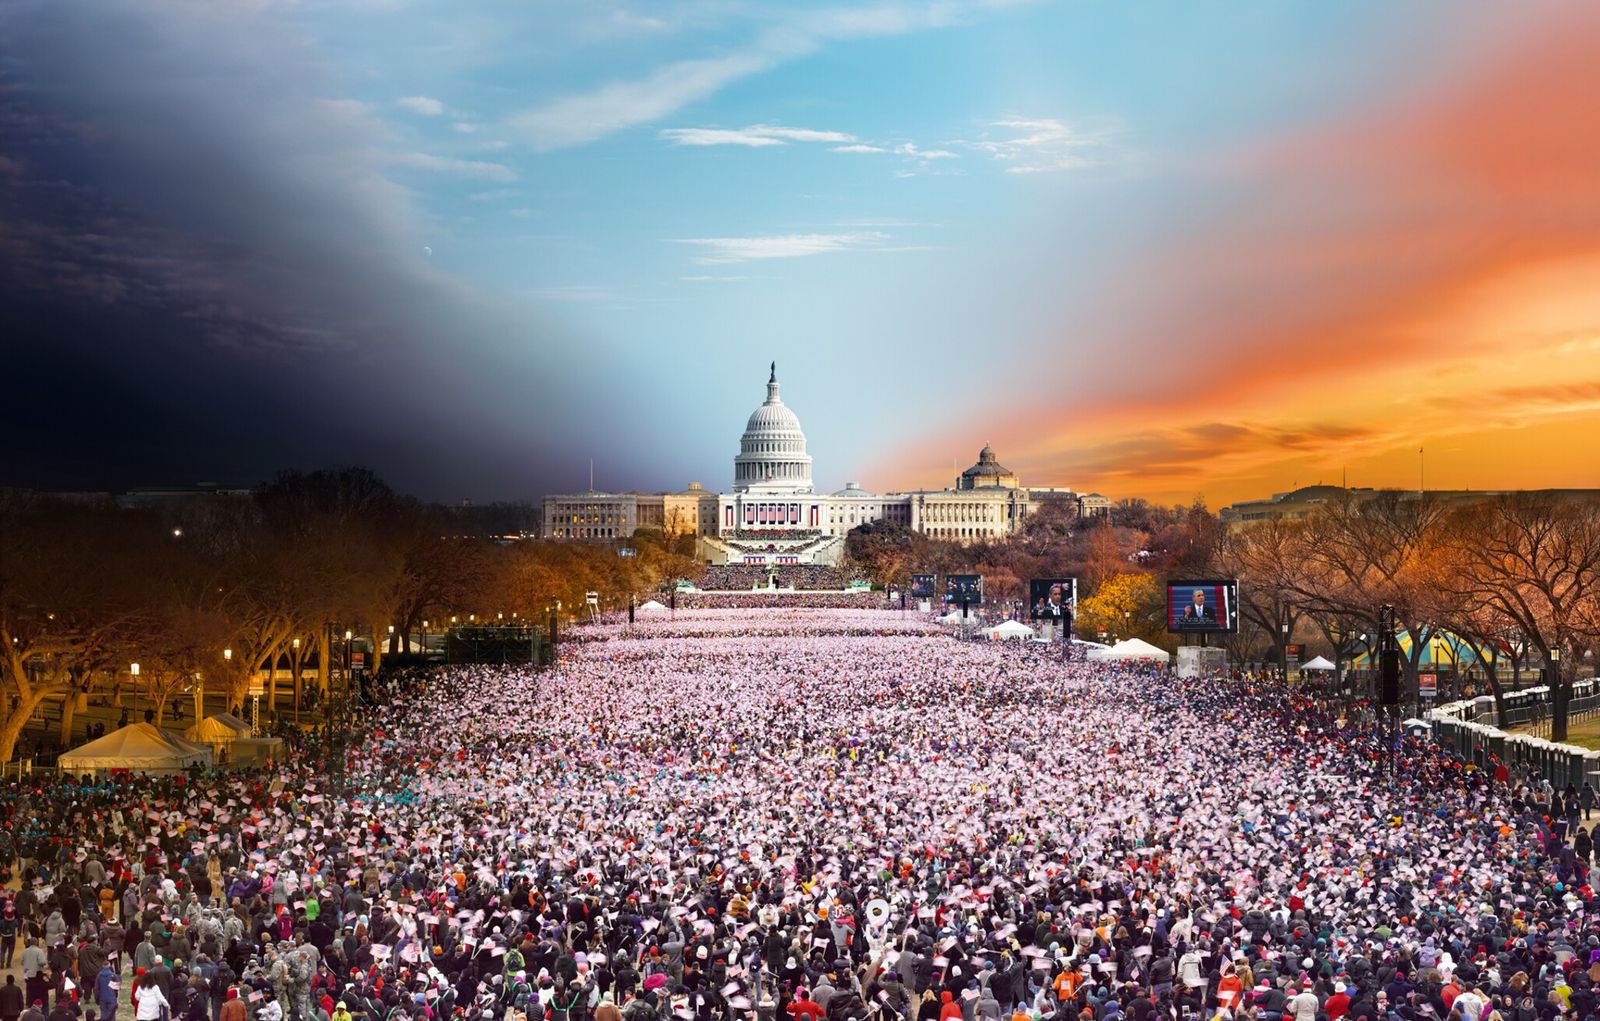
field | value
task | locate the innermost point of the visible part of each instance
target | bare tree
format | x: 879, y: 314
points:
x: 1533, y: 559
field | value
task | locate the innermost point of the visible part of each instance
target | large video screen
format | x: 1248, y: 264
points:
x: 922, y: 586
x: 964, y: 588
x: 1052, y: 599
x: 1197, y: 607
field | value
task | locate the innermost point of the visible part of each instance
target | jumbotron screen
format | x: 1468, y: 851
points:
x: 922, y: 586
x: 1199, y: 607
x: 964, y: 588
x: 1045, y: 594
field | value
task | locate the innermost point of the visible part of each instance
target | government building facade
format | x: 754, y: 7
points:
x: 774, y: 516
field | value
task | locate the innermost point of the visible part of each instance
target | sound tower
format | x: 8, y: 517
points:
x: 1389, y: 678
x: 1389, y: 659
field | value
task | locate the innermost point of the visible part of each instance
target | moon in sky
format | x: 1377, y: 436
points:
x: 427, y: 251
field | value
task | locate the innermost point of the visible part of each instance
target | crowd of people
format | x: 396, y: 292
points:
x: 802, y: 816
x: 800, y: 577
x: 763, y: 600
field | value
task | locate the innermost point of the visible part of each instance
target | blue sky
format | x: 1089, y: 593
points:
x: 572, y: 230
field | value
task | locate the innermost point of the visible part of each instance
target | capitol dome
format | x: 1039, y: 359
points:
x: 988, y: 473
x: 772, y: 453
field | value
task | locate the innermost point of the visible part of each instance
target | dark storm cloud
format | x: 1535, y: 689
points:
x: 204, y: 273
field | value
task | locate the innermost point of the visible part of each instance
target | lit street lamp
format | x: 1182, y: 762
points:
x: 1284, y: 647
x: 348, y: 635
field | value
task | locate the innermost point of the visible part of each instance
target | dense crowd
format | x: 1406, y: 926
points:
x: 787, y: 620
x: 830, y: 815
x: 758, y: 600
x: 800, y: 577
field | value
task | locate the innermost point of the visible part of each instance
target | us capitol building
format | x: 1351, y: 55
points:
x: 775, y: 516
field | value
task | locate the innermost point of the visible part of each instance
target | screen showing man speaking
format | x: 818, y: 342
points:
x: 1197, y: 606
x: 964, y: 588
x: 1052, y: 599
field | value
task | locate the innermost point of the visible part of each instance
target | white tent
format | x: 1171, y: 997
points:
x: 184, y: 742
x: 949, y: 618
x: 1132, y: 649
x: 651, y: 607
x: 1320, y: 663
x: 223, y: 728
x: 139, y: 747
x: 1014, y: 629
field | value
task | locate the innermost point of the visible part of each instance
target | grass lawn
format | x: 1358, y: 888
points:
x: 1584, y: 733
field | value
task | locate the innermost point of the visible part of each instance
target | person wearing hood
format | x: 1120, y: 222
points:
x: 988, y: 1008
x: 55, y: 928
x: 949, y: 1010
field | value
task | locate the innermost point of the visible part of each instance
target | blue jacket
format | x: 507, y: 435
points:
x: 105, y: 985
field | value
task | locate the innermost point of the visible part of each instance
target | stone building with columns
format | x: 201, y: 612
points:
x: 773, y: 514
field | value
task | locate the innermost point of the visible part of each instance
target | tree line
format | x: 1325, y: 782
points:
x: 88, y: 587
x: 1510, y: 581
x: 274, y: 579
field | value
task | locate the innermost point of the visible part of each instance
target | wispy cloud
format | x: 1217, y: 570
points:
x: 423, y: 105
x: 577, y: 292
x: 1043, y: 145
x: 586, y: 116
x: 859, y: 148
x: 449, y: 165
x: 910, y: 149
x: 755, y: 136
x: 716, y: 251
x: 582, y: 118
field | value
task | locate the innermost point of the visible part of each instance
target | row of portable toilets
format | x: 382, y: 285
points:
x: 1457, y: 726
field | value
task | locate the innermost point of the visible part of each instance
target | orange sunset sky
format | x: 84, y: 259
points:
x: 1421, y: 271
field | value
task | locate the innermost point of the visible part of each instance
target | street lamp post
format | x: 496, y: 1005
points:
x: 296, y: 644
x: 1283, y: 650
x: 348, y: 635
x: 1338, y: 660
x: 1558, y: 701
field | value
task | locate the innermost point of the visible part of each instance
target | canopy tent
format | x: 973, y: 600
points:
x: 651, y: 607
x: 223, y: 728
x: 138, y: 747
x: 1132, y: 649
x: 251, y: 751
x: 1012, y: 629
x: 1320, y: 663
x: 949, y: 618
x: 1439, y: 647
